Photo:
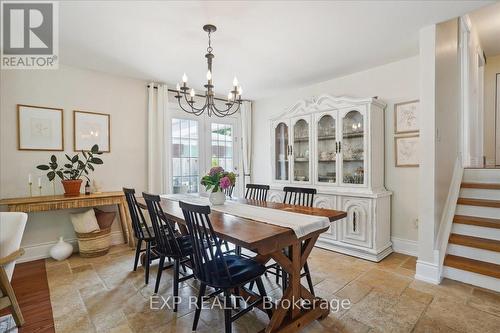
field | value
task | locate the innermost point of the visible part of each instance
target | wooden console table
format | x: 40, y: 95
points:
x: 57, y: 202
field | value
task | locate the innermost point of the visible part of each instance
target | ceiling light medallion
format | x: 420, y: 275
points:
x: 233, y: 99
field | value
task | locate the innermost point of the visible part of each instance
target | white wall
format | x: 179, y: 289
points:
x: 71, y: 88
x: 392, y: 83
x: 491, y: 69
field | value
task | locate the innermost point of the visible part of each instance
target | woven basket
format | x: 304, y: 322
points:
x: 94, y: 244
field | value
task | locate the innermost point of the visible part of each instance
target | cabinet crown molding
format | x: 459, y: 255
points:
x: 324, y: 103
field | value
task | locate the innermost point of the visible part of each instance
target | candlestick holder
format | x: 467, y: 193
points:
x: 30, y: 185
x: 40, y: 189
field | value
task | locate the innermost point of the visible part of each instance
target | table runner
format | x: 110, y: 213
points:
x: 301, y: 224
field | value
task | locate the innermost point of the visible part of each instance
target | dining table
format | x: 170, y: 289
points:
x: 298, y: 306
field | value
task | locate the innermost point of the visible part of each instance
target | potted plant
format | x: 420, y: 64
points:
x: 73, y: 171
x: 215, y: 182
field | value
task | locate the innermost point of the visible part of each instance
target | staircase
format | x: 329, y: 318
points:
x: 473, y: 253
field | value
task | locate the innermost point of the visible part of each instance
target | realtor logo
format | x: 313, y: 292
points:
x: 29, y: 35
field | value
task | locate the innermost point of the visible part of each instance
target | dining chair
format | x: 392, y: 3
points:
x: 12, y: 226
x: 256, y: 192
x: 213, y: 268
x: 229, y: 191
x: 300, y: 196
x: 142, y: 232
x: 169, y: 244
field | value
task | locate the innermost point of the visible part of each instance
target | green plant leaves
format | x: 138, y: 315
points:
x: 51, y: 175
x: 60, y: 174
x: 53, y: 159
x: 74, y: 159
x: 43, y: 167
x: 96, y: 160
x: 94, y: 149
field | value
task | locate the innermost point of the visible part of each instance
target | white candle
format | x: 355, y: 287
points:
x: 29, y: 179
x: 39, y: 181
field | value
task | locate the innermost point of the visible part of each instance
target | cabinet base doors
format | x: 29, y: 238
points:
x: 356, y: 228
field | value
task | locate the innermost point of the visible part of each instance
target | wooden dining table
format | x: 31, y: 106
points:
x: 269, y: 241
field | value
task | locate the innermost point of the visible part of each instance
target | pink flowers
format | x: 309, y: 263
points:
x: 225, y: 183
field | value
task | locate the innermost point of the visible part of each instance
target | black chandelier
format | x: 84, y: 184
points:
x: 233, y: 99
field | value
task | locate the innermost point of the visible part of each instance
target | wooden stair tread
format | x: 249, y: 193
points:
x: 477, y: 221
x: 486, y: 186
x: 479, y: 202
x: 476, y: 242
x: 471, y: 265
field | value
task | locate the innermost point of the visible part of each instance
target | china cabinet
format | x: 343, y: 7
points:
x: 336, y: 145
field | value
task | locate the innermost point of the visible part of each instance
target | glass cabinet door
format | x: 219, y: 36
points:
x: 353, y: 148
x: 300, y: 151
x: 326, y: 149
x: 281, y: 152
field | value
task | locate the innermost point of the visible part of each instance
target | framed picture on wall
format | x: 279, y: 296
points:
x: 39, y: 128
x: 90, y: 128
x: 406, y: 117
x: 407, y: 151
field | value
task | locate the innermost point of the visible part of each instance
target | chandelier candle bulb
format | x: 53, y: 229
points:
x: 235, y: 82
x: 178, y: 87
x: 192, y: 93
x: 184, y: 78
x: 209, y: 75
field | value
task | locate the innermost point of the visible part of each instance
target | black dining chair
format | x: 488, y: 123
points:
x: 302, y: 197
x: 213, y: 268
x: 229, y: 191
x: 169, y: 244
x: 254, y: 192
x: 142, y: 232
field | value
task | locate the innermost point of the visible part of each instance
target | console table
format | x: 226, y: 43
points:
x: 57, y: 202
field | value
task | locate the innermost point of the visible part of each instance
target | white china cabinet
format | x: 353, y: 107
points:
x: 336, y: 145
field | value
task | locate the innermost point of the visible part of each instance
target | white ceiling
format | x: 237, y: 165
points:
x: 486, y: 21
x: 270, y: 46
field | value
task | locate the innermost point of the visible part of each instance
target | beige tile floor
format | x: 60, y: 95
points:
x: 105, y: 295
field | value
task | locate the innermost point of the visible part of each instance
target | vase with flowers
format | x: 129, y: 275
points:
x: 216, y: 181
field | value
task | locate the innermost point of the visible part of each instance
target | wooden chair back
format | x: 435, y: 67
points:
x: 141, y: 229
x: 256, y: 192
x: 299, y: 196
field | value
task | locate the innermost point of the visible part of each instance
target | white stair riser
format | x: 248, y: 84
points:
x: 476, y: 231
x: 473, y: 253
x: 478, y: 211
x: 476, y: 193
x: 481, y: 176
x: 475, y: 279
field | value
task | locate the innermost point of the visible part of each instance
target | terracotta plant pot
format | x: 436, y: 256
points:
x: 72, y: 187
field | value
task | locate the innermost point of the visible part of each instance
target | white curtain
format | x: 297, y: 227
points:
x: 157, y: 138
x: 246, y: 144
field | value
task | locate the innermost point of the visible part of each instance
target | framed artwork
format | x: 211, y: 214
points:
x: 39, y: 128
x: 407, y: 151
x: 406, y: 117
x: 90, y: 128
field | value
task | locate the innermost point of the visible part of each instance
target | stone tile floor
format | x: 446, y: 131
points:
x: 105, y: 295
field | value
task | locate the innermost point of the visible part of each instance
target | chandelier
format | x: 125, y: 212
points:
x: 185, y: 95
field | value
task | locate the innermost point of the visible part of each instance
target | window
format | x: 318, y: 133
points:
x: 185, y: 156
x: 222, y: 145
x: 197, y: 144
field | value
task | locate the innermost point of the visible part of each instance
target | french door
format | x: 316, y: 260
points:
x: 198, y: 143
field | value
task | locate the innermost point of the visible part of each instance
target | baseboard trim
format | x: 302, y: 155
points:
x: 405, y: 246
x: 428, y: 272
x: 42, y: 250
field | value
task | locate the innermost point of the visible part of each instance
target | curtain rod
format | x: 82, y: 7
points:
x: 198, y: 95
